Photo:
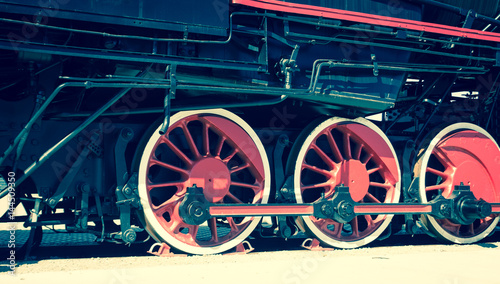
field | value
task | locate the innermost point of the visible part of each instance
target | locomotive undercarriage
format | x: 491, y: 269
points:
x: 182, y: 137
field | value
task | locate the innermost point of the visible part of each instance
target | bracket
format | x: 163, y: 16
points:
x: 163, y: 251
x: 375, y: 65
x: 314, y: 245
x: 467, y: 24
x: 279, y: 171
x: 287, y: 193
x: 84, y: 207
x: 128, y: 235
x: 407, y: 182
x: 285, y: 229
x: 469, y: 19
x: 240, y: 249
x: 35, y: 232
x: 410, y: 193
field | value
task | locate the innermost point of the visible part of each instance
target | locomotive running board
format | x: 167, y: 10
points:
x: 462, y: 207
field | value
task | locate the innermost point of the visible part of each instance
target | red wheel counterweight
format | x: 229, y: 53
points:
x: 217, y: 151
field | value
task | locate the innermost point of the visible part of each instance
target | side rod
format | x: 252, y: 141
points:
x: 462, y: 207
x: 307, y: 209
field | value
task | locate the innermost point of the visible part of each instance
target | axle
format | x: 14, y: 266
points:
x: 462, y: 207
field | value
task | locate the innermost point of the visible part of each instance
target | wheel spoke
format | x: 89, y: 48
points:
x: 382, y: 185
x: 436, y: 172
x: 436, y: 187
x: 321, y: 223
x: 212, y: 224
x: 371, y: 171
x: 338, y: 229
x: 167, y: 205
x: 333, y: 146
x: 347, y: 146
x: 367, y: 159
x: 232, y: 224
x: 193, y: 231
x: 155, y: 161
x: 175, y: 225
x: 178, y: 184
x: 206, y: 143
x: 323, y: 156
x: 357, y: 154
x: 453, y: 228
x: 255, y: 188
x: 178, y: 152
x: 471, y: 229
x: 372, y: 198
x: 220, y: 143
x: 318, y: 185
x: 354, y: 226
x: 442, y: 157
x: 369, y: 221
x: 190, y: 141
x: 228, y: 158
x: 240, y: 168
x: 234, y: 198
x: 317, y: 170
x: 324, y: 223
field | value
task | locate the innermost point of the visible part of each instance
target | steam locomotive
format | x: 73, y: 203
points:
x: 200, y: 123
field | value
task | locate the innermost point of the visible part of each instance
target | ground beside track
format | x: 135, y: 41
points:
x: 78, y: 260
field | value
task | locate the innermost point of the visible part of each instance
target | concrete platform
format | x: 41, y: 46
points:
x: 430, y: 264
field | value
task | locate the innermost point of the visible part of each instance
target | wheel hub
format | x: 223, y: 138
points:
x: 355, y: 176
x: 213, y: 176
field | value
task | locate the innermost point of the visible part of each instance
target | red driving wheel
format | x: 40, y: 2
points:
x: 354, y: 153
x: 460, y: 153
x: 217, y: 151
